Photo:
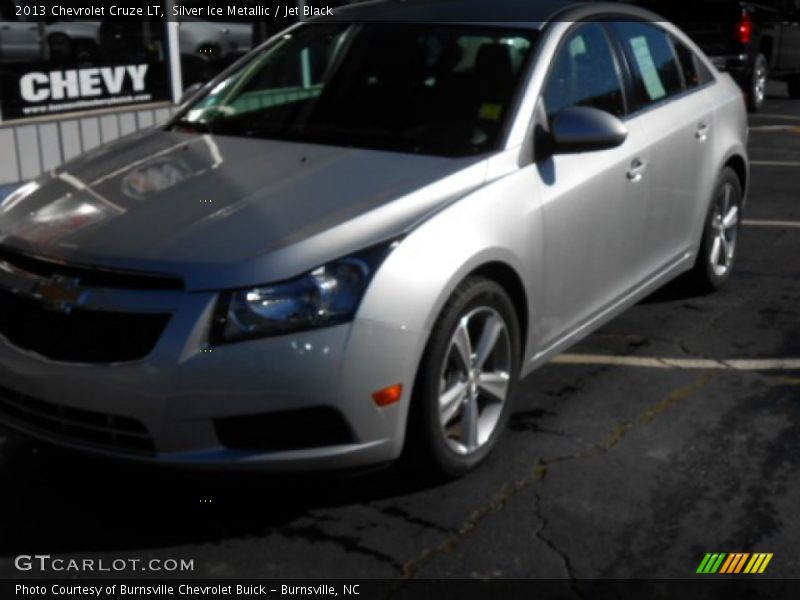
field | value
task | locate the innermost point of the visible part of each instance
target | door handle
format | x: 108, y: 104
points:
x: 636, y: 171
x: 702, y: 132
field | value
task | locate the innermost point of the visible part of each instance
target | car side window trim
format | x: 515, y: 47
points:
x: 671, y: 41
x: 671, y: 99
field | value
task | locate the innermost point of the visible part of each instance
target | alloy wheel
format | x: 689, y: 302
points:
x: 759, y: 85
x: 475, y: 380
x: 724, y: 223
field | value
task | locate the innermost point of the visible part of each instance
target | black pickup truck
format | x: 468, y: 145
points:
x: 753, y: 41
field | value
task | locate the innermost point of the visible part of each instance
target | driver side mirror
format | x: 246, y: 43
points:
x: 585, y: 129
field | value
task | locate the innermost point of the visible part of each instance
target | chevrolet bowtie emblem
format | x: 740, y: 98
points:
x: 59, y: 294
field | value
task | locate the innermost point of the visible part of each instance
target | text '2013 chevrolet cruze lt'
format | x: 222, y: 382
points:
x: 355, y: 241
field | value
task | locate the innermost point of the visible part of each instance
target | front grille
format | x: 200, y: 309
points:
x: 288, y: 430
x: 90, y: 276
x: 86, y: 336
x: 84, y: 427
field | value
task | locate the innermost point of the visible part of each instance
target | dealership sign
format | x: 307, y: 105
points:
x: 44, y: 90
x: 80, y: 83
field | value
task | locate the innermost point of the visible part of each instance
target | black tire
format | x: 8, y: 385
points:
x: 428, y: 446
x: 757, y: 84
x: 793, y: 83
x: 705, y: 277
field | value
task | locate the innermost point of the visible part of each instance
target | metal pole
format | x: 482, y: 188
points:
x: 174, y: 55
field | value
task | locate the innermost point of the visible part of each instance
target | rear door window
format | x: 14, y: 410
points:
x: 654, y: 65
x: 695, y: 73
x: 688, y: 63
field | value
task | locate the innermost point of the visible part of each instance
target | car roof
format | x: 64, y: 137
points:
x: 527, y: 12
x: 520, y: 13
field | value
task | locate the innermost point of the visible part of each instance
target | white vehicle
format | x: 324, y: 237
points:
x: 20, y: 39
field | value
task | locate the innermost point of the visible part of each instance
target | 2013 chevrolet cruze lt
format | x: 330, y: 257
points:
x: 357, y: 239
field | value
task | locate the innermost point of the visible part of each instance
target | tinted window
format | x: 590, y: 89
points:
x: 423, y: 88
x: 688, y: 63
x: 655, y: 68
x: 703, y: 73
x: 584, y: 74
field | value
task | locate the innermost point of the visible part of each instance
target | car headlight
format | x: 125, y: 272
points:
x: 326, y: 296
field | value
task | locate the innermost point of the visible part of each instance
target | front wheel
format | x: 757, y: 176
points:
x: 717, y: 252
x: 462, y: 395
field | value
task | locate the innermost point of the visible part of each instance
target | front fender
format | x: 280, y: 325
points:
x: 407, y: 294
x: 498, y: 223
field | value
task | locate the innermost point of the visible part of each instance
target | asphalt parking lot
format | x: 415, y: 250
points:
x: 672, y: 432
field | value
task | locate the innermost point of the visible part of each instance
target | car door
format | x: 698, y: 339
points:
x: 593, y: 203
x: 678, y: 119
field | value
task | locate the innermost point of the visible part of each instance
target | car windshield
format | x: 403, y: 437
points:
x: 430, y: 89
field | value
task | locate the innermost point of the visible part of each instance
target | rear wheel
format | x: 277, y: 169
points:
x: 757, y: 92
x: 717, y: 253
x: 462, y: 395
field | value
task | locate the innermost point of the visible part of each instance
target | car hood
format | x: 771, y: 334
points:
x: 226, y: 212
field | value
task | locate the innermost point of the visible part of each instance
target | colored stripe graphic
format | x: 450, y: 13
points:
x: 727, y: 564
x: 758, y: 563
x: 711, y: 563
x: 703, y: 564
x: 737, y: 563
x: 734, y: 563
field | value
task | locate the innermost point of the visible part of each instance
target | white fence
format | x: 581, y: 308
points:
x: 28, y: 149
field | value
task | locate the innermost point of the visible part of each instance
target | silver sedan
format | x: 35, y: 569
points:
x: 353, y: 243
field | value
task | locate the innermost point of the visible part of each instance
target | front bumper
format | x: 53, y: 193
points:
x: 167, y: 407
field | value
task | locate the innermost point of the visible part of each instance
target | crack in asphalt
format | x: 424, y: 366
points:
x: 497, y: 503
x: 684, y: 346
x: 510, y: 490
x: 539, y: 533
x: 401, y: 513
x: 313, y: 534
